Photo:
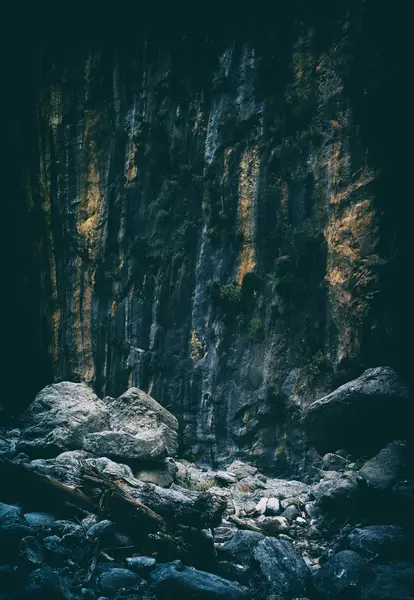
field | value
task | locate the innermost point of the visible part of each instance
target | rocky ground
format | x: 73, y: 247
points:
x: 94, y: 504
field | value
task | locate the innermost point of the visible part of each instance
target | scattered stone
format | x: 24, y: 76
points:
x: 174, y: 580
x: 260, y: 507
x: 283, y: 571
x: 343, y: 576
x: 31, y: 550
x: 346, y: 415
x: 59, y: 418
x: 115, y: 579
x: 47, y: 583
x: 301, y: 521
x: 273, y: 525
x: 382, y: 541
x: 334, y: 462
x: 387, y: 467
x: 241, y: 470
x: 241, y: 545
x: 109, y: 467
x: 291, y: 512
x: 272, y: 507
x: 393, y: 582
x: 12, y: 522
x: 39, y: 521
x: 140, y: 563
x: 162, y: 475
x: 337, y: 491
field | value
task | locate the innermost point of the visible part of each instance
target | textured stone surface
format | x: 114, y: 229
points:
x: 155, y: 184
x: 176, y: 580
x: 284, y: 572
x: 383, y: 541
x: 390, y: 465
x: 343, y: 576
x: 59, y: 418
x: 361, y: 415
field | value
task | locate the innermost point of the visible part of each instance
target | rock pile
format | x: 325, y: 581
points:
x: 102, y: 508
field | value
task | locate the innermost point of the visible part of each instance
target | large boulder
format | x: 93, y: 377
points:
x: 390, y: 465
x: 382, y: 541
x: 174, y: 580
x: 362, y: 415
x: 337, y: 491
x: 393, y: 582
x: 59, y: 418
x: 283, y: 572
x: 343, y: 576
x: 241, y: 545
x: 140, y: 429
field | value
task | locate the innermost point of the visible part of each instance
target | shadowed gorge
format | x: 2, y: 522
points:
x: 207, y: 307
x: 214, y: 218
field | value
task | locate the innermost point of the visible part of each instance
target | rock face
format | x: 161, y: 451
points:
x: 362, y: 415
x: 220, y: 238
x: 343, y: 577
x: 60, y: 417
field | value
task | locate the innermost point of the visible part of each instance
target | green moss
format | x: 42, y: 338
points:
x: 256, y: 330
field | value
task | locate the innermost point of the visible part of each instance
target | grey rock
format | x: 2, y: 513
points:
x: 173, y: 580
x: 273, y: 525
x: 115, y: 579
x: 12, y: 522
x: 241, y: 470
x: 282, y: 570
x: 344, y: 417
x: 241, y: 545
x: 260, y: 507
x: 59, y: 418
x: 232, y: 572
x: 225, y: 478
x: 113, y: 469
x: 382, y: 541
x: 272, y: 507
x: 162, y: 475
x: 387, y: 467
x: 343, y: 576
x: 39, y: 521
x: 135, y: 412
x: 140, y: 563
x: 337, y: 490
x: 333, y: 462
x: 291, y: 512
x: 393, y: 582
x: 55, y: 552
x: 47, y: 583
x: 146, y: 445
x: 102, y: 528
x: 31, y: 550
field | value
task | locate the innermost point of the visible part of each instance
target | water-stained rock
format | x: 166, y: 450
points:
x: 343, y: 576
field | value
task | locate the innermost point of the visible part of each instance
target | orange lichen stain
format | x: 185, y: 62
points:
x: 113, y: 308
x: 249, y: 171
x: 151, y: 385
x: 364, y: 179
x: 246, y: 416
x: 196, y: 348
x: 89, y: 213
x: 55, y: 334
x: 130, y: 166
x: 351, y: 238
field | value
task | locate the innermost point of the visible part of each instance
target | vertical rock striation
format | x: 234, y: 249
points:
x: 209, y: 227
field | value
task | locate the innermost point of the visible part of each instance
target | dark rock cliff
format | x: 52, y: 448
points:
x: 216, y: 218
